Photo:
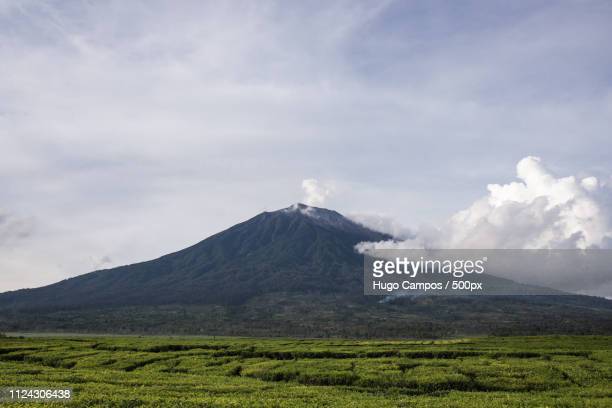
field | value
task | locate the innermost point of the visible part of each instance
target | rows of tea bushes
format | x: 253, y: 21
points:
x: 234, y: 372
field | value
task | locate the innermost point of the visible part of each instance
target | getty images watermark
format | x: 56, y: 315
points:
x: 414, y: 270
x: 486, y: 272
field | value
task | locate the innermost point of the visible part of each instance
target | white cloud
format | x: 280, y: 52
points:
x: 383, y: 223
x: 539, y: 211
x: 315, y: 192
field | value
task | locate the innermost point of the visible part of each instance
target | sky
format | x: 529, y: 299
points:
x: 132, y: 129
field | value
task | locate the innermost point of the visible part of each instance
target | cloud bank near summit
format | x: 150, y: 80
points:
x: 540, y: 210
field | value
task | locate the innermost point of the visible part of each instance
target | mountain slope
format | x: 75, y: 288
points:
x: 297, y: 249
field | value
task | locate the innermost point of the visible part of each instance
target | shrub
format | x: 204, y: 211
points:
x: 235, y: 371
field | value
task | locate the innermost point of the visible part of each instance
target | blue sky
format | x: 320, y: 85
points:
x: 132, y: 129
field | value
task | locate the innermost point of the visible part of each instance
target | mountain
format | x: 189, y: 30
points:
x: 288, y: 272
x: 297, y: 249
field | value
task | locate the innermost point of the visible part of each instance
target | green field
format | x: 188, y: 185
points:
x: 553, y: 371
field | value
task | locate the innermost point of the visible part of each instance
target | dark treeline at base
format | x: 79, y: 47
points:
x: 325, y: 316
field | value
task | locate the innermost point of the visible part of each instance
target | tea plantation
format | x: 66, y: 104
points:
x: 553, y: 371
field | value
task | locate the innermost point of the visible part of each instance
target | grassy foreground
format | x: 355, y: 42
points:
x: 552, y: 371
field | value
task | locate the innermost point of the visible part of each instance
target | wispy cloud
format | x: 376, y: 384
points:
x: 14, y: 228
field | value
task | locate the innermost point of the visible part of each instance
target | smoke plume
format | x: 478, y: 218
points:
x: 315, y: 192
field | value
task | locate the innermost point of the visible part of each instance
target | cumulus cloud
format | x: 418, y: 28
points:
x: 540, y: 210
x: 315, y: 192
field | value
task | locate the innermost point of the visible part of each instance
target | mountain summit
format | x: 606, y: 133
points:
x: 296, y: 249
x: 328, y: 218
